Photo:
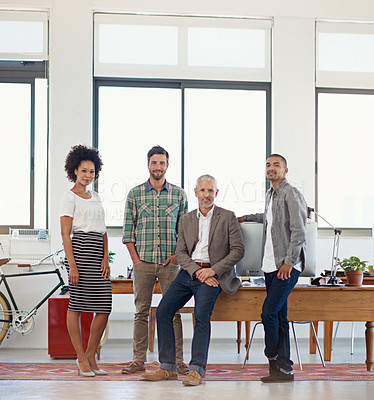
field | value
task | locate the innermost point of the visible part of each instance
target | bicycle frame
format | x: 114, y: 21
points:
x: 4, y: 278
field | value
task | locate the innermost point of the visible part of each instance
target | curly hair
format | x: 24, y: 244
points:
x: 80, y: 153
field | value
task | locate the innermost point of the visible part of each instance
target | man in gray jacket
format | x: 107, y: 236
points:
x: 208, y: 247
x: 283, y: 258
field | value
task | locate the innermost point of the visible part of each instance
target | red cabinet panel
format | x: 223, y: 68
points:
x: 59, y: 344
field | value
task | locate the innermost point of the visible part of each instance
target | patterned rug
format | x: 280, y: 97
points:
x: 215, y: 372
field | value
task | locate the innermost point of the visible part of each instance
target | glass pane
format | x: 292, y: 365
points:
x: 15, y: 116
x: 345, y: 153
x: 226, y: 137
x: 214, y: 47
x: 41, y: 139
x: 131, y: 121
x: 21, y: 37
x: 346, y: 52
x: 138, y: 44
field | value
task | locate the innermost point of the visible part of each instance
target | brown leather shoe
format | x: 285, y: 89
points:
x: 133, y: 368
x: 161, y: 375
x: 193, y: 378
x: 182, y: 368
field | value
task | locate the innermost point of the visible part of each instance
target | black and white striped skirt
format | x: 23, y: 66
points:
x: 93, y: 292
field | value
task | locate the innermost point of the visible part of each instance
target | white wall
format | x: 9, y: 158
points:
x: 293, y: 91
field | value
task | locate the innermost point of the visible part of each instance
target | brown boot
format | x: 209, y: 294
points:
x: 193, y: 378
x: 160, y: 375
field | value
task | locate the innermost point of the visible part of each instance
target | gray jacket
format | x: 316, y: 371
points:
x: 289, y: 224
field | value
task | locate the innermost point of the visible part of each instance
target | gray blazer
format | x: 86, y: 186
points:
x: 225, y: 246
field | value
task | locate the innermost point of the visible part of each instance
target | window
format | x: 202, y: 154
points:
x: 345, y: 55
x: 172, y: 47
x: 197, y: 86
x: 345, y: 122
x: 23, y: 118
x: 345, y: 143
x: 23, y: 135
x: 207, y: 127
x: 131, y: 120
x: 24, y: 35
x: 225, y: 135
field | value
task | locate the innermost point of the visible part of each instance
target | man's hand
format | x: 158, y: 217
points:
x: 203, y: 274
x: 211, y: 282
x: 136, y: 260
x: 284, y: 272
x: 172, y: 259
x: 240, y: 219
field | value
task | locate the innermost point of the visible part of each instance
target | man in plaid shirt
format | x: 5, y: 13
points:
x: 152, y: 214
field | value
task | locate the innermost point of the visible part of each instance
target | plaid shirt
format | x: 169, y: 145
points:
x: 151, y: 220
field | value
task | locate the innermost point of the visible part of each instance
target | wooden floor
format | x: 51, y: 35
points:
x: 221, y: 351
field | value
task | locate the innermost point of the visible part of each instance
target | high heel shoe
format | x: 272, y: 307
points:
x: 85, y: 374
x: 99, y: 371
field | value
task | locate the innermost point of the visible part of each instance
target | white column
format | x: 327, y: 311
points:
x: 293, y: 99
x: 70, y: 94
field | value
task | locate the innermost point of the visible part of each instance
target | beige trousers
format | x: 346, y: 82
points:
x: 144, y: 275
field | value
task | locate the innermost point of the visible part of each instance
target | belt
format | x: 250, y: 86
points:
x: 203, y: 265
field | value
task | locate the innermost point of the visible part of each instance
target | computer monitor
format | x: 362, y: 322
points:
x: 250, y: 264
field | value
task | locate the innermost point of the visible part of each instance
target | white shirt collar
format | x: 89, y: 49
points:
x: 210, y: 213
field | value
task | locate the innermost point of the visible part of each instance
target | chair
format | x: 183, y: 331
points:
x: 352, y: 336
x: 295, y: 339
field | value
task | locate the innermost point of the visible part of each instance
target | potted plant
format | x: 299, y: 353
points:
x: 354, y: 269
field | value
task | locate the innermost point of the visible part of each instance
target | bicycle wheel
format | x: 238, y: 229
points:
x: 5, y: 316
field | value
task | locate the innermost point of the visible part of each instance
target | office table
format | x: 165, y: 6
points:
x: 126, y: 286
x: 305, y: 303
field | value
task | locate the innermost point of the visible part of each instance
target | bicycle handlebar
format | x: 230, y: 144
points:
x: 39, y: 262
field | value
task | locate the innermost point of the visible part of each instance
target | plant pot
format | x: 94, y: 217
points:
x: 354, y: 278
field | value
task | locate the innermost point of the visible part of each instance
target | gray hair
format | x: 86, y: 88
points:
x: 208, y: 178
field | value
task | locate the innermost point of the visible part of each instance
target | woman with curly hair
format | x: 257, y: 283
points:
x: 87, y: 256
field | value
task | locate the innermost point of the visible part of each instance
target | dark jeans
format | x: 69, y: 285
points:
x: 274, y: 318
x: 179, y: 292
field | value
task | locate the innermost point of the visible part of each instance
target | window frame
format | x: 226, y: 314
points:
x: 26, y: 72
x: 181, y: 84
x: 327, y: 231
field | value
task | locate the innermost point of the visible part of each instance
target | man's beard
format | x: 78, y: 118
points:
x: 157, y: 177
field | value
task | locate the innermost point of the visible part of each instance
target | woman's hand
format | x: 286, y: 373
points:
x: 105, y: 268
x: 73, y: 275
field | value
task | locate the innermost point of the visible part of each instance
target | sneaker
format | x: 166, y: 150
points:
x: 133, y: 368
x: 182, y: 368
x: 278, y: 376
x: 193, y: 378
x: 161, y: 375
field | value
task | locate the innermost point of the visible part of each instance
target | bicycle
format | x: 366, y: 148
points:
x: 12, y: 319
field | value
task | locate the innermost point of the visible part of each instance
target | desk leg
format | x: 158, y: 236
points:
x: 247, y: 335
x: 312, y: 339
x: 151, y: 329
x: 369, y: 338
x: 328, y: 340
x: 239, y: 334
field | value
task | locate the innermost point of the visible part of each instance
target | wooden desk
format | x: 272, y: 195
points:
x: 126, y: 286
x: 305, y: 303
x: 328, y: 325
